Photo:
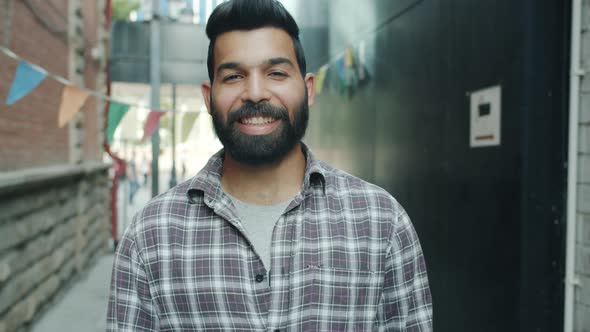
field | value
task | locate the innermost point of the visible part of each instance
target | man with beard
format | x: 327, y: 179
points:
x: 266, y: 236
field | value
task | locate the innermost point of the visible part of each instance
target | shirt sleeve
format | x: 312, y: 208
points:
x: 407, y: 301
x: 130, y: 306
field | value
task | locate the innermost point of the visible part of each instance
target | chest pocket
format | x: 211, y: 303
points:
x: 333, y: 299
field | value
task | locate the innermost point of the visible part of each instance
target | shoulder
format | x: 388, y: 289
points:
x: 170, y: 201
x: 342, y: 185
x: 363, y: 202
x: 162, y: 212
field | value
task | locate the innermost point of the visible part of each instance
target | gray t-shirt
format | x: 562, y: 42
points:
x: 259, y: 222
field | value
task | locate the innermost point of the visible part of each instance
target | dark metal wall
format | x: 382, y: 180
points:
x: 490, y: 219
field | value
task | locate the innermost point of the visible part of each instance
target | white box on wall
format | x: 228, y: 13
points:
x: 485, y: 108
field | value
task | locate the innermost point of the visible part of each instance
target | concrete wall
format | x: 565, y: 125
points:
x: 582, y: 296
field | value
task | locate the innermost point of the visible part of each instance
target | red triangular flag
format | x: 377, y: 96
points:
x: 151, y: 124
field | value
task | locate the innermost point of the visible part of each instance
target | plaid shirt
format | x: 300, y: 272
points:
x: 345, y: 257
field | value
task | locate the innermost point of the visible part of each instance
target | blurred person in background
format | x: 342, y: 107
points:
x: 266, y: 236
x: 183, y: 168
x: 132, y: 177
x: 145, y: 169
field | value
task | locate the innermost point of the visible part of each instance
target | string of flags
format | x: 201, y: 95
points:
x: 350, y: 66
x: 73, y: 97
x: 350, y: 71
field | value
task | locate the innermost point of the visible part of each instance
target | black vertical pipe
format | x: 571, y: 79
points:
x: 173, y: 180
x: 543, y: 154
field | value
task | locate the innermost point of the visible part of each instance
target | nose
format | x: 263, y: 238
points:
x: 255, y: 89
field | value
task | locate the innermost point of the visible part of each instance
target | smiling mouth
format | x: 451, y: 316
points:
x: 257, y: 120
x: 258, y: 125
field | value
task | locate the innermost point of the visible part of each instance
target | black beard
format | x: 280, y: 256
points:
x: 257, y: 150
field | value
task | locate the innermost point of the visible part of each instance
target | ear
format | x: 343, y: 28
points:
x: 310, y: 86
x: 206, y: 91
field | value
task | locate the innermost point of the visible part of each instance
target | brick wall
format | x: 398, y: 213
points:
x: 29, y: 136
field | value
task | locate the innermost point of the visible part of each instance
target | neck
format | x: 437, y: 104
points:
x: 266, y: 184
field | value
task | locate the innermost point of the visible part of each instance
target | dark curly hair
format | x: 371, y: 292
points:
x: 249, y: 15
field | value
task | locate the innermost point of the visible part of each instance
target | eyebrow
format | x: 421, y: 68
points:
x: 271, y: 62
x: 227, y: 65
x: 280, y: 60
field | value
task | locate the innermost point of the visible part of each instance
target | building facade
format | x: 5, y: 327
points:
x: 54, y: 185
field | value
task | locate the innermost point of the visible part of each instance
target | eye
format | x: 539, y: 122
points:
x: 232, y: 77
x: 278, y: 74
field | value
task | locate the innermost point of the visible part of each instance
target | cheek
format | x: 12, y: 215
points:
x: 290, y: 96
x: 224, y: 99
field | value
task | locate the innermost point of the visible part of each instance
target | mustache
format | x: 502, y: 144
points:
x: 260, y: 109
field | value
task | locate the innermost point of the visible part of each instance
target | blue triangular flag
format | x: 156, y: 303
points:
x: 26, y: 79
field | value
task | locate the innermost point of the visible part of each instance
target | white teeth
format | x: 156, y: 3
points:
x: 257, y: 120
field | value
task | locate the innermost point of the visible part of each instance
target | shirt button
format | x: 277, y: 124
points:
x: 259, y: 277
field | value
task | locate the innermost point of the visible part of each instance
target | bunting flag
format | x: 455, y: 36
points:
x: 341, y: 70
x: 28, y: 76
x: 341, y: 66
x: 188, y: 122
x: 72, y: 99
x: 320, y: 79
x: 348, y: 62
x: 116, y: 113
x: 151, y: 123
x: 25, y: 80
x: 347, y: 73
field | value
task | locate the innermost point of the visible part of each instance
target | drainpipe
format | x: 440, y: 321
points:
x: 120, y: 166
x: 571, y: 280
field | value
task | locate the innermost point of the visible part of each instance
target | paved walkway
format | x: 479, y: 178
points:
x: 84, y: 306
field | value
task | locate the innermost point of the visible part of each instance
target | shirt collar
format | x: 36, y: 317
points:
x: 208, y: 180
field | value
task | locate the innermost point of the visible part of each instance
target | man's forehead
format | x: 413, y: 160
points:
x: 258, y: 45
